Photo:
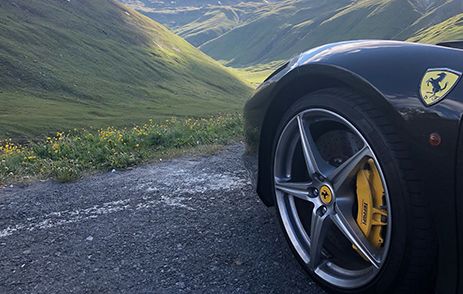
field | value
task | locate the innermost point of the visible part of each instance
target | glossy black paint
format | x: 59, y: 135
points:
x: 390, y: 73
x: 452, y: 44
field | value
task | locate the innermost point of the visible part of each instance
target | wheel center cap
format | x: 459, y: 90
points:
x: 326, y: 194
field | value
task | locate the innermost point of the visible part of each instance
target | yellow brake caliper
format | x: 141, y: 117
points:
x: 371, y: 215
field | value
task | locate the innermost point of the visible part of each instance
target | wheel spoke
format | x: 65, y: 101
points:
x: 298, y: 190
x: 318, y: 231
x: 348, y: 169
x: 312, y: 156
x: 349, y: 228
x: 305, y: 240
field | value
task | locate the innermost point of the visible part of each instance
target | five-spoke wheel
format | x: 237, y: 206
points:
x: 317, y: 161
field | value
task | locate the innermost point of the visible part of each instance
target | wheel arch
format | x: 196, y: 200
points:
x: 295, y: 84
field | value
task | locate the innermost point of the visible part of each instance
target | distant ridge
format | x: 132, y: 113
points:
x: 309, y: 23
x: 243, y: 33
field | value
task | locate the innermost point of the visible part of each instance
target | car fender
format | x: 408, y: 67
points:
x: 390, y: 73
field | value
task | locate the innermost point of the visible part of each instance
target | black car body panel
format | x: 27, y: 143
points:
x: 389, y: 72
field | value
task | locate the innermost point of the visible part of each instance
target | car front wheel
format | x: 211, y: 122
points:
x: 343, y: 197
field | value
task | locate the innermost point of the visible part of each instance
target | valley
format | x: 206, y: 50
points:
x: 244, y: 33
x: 69, y: 64
x: 100, y: 63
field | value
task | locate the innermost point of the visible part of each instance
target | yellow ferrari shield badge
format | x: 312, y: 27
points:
x: 326, y: 195
x: 437, y: 83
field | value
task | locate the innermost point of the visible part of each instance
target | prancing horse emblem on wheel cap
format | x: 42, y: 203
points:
x: 326, y: 195
x: 438, y: 83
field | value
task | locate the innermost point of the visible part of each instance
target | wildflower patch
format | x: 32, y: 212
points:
x: 67, y: 155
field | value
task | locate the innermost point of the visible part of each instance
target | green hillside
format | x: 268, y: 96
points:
x: 69, y: 64
x: 243, y: 33
x: 184, y: 3
x: 213, y: 21
x: 451, y: 29
x: 295, y: 26
x: 201, y: 21
x: 431, y: 14
x: 198, y: 25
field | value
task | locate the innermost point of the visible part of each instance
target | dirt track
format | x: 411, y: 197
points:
x: 186, y: 225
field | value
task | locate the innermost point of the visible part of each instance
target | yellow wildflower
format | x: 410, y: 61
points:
x: 55, y: 147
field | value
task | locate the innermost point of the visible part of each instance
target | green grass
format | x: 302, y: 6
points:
x: 211, y: 24
x: 244, y: 34
x: 97, y: 63
x: 199, y: 23
x: 67, y: 156
x: 247, y: 33
x: 448, y: 30
x: 437, y: 13
x: 295, y: 26
x: 256, y: 74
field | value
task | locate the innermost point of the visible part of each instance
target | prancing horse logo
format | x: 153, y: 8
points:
x: 326, y: 195
x: 437, y: 83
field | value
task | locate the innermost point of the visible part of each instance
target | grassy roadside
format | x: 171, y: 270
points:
x: 67, y: 156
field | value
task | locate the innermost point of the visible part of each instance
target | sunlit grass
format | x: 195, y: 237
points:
x: 67, y: 156
x: 448, y: 30
x: 256, y: 74
x: 66, y: 65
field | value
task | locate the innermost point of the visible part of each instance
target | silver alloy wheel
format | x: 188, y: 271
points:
x: 323, y: 231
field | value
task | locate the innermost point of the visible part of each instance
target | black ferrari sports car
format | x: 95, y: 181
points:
x: 359, y: 147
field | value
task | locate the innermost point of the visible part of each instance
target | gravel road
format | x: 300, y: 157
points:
x: 191, y: 224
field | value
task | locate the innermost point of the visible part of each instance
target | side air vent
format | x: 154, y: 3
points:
x: 452, y: 44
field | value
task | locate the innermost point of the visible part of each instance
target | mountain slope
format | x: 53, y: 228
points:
x: 450, y: 29
x: 183, y: 3
x: 67, y: 64
x: 297, y: 25
x: 433, y: 12
x: 243, y: 33
x: 201, y: 21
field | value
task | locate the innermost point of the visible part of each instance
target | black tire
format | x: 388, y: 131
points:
x: 409, y: 266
